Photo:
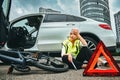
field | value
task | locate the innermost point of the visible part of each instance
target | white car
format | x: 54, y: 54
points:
x: 46, y: 32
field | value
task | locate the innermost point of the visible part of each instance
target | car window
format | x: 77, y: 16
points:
x: 5, y: 7
x: 74, y: 18
x: 62, y: 18
x: 55, y: 18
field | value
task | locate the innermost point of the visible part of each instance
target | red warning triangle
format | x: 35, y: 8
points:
x: 90, y: 70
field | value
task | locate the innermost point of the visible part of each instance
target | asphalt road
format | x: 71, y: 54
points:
x: 39, y: 74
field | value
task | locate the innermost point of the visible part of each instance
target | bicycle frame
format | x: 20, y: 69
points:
x: 8, y: 56
x: 22, y: 60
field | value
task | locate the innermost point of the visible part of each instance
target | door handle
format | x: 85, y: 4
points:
x: 70, y: 24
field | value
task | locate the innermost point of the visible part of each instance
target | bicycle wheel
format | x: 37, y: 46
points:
x: 22, y: 68
x: 50, y: 64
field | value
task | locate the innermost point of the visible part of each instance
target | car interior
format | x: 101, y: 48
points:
x: 23, y: 33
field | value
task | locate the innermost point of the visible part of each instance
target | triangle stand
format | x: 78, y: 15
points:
x: 90, y: 70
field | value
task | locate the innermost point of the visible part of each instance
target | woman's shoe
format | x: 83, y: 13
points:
x: 106, y: 64
x: 84, y: 66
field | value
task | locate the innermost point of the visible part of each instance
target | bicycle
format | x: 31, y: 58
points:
x: 21, y: 61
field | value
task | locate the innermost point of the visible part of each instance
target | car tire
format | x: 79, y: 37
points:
x: 91, y: 43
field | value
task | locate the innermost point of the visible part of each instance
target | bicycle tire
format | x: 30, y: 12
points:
x: 52, y: 66
x: 22, y: 69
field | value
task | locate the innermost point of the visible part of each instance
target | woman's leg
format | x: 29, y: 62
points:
x: 65, y: 60
x: 77, y: 64
x: 85, y: 54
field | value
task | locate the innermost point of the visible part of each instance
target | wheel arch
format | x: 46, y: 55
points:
x: 93, y: 36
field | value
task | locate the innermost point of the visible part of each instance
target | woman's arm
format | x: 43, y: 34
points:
x: 80, y: 37
x: 82, y: 40
x: 63, y: 53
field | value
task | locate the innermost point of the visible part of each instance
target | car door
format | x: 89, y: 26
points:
x: 54, y: 30
x: 4, y: 20
x: 23, y: 31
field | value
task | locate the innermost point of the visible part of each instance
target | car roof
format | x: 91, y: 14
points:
x: 43, y: 14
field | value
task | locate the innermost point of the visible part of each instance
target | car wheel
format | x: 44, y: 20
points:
x: 91, y: 43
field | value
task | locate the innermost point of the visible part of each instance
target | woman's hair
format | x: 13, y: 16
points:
x: 75, y: 30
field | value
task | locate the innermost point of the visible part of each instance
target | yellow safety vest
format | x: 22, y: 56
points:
x: 72, y: 49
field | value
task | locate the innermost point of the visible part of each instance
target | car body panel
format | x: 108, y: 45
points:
x: 107, y: 36
x: 51, y: 34
x: 58, y: 31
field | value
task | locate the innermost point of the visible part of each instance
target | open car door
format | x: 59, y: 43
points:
x: 4, y: 20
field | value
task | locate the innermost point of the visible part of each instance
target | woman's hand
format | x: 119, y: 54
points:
x: 69, y: 57
x: 76, y: 31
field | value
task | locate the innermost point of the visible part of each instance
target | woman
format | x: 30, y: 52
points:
x: 75, y: 50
